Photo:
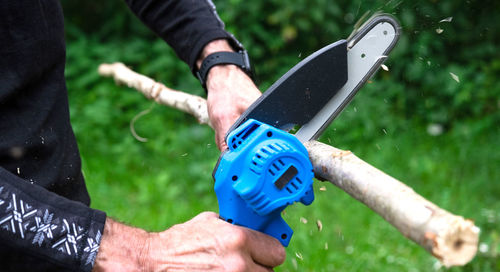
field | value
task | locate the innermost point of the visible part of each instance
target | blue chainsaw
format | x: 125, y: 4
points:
x: 266, y: 168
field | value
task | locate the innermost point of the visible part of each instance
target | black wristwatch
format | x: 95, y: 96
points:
x: 239, y: 59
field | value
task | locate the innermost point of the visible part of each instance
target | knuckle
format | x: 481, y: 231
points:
x: 238, y: 237
x: 206, y: 215
x: 239, y: 265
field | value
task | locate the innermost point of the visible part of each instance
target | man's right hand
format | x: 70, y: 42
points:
x: 204, y: 243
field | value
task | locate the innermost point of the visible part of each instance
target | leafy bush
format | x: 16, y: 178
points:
x: 278, y: 34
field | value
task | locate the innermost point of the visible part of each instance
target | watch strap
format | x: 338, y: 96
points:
x: 239, y: 59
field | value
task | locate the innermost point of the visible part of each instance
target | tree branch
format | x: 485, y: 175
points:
x: 450, y: 238
x: 185, y: 102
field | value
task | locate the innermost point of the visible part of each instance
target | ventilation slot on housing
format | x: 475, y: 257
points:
x: 242, y: 136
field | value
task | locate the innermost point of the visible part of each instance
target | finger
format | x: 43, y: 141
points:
x: 251, y: 265
x: 265, y: 250
x: 260, y: 268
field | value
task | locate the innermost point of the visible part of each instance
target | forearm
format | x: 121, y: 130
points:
x: 186, y: 26
x: 36, y: 223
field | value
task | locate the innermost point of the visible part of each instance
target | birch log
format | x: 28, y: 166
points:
x: 185, y: 102
x: 450, y: 238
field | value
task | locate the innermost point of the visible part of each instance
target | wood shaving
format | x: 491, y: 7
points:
x: 446, y: 20
x: 319, y: 224
x: 455, y: 77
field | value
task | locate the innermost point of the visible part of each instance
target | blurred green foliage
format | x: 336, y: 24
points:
x: 278, y: 34
x: 437, y: 133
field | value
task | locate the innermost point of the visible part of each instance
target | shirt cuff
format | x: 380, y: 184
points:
x: 54, y: 229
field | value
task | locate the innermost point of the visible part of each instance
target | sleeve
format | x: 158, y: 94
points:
x: 187, y: 26
x: 40, y: 230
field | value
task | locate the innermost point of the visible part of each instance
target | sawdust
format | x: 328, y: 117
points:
x: 341, y: 153
x: 319, y: 225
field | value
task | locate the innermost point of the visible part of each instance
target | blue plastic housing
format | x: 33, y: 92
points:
x: 264, y: 170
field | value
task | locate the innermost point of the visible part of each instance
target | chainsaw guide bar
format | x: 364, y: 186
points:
x: 316, y: 90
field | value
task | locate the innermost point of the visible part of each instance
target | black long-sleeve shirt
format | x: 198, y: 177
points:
x: 45, y: 220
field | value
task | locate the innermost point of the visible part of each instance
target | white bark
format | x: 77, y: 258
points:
x: 450, y: 238
x: 185, y: 102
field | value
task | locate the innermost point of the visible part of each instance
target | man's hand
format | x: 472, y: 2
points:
x: 205, y: 243
x: 230, y: 92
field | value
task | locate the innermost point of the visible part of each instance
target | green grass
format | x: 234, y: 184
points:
x: 167, y: 179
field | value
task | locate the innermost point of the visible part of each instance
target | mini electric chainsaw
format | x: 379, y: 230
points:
x: 266, y: 168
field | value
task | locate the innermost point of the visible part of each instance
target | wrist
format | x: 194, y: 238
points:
x: 219, y: 58
x: 122, y: 248
x: 223, y: 78
x: 220, y: 45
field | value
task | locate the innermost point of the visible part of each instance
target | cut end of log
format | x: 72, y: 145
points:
x: 456, y: 247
